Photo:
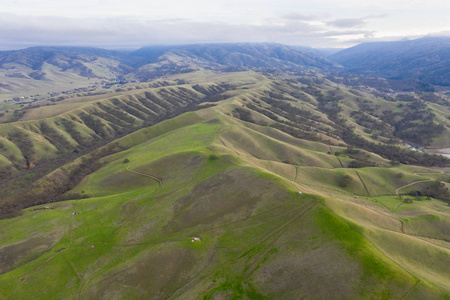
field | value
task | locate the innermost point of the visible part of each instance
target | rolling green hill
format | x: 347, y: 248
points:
x: 223, y: 186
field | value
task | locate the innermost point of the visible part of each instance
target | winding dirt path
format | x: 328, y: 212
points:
x: 419, y: 181
x: 160, y: 182
x: 412, y: 183
x: 133, y: 215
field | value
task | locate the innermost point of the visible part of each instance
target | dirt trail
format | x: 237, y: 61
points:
x: 79, y: 277
x: 339, y: 160
x: 221, y: 140
x: 281, y: 230
x: 412, y: 183
x: 133, y: 215
x: 160, y: 182
x: 254, y: 216
x: 419, y: 181
x: 410, y: 290
x: 363, y: 184
x: 88, y: 185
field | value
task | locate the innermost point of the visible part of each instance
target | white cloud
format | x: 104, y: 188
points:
x: 125, y: 32
x: 115, y: 23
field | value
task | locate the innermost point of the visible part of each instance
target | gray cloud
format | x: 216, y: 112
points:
x: 300, y: 17
x: 124, y: 32
x: 372, y: 38
x: 353, y: 22
x: 347, y: 23
x: 348, y: 32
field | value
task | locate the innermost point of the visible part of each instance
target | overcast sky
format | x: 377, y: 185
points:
x: 135, y: 23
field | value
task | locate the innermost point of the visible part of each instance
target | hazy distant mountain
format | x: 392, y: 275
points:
x: 254, y: 55
x: 423, y: 60
x: 426, y: 59
x: 156, y: 61
x: 86, y: 62
x: 322, y: 52
x: 148, y: 62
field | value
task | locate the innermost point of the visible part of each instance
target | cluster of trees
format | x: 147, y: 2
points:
x: 414, y: 122
x: 437, y: 190
x: 434, y: 98
x: 329, y: 105
x: 130, y: 108
x: 243, y: 114
x: 372, y: 124
x: 394, y: 153
x: 24, y: 144
x: 53, y: 187
x: 344, y: 181
x: 300, y: 119
x: 381, y: 84
x: 212, y: 90
x: 95, y: 124
x: 302, y: 124
x: 296, y: 129
x: 360, y: 160
x: 214, y: 93
x: 60, y: 142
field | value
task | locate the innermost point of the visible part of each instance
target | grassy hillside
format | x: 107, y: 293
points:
x: 223, y: 202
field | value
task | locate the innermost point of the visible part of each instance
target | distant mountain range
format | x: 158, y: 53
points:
x: 150, y: 62
x: 426, y: 59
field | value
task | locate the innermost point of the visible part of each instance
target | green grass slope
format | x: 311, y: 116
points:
x: 254, y: 197
x: 234, y: 187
